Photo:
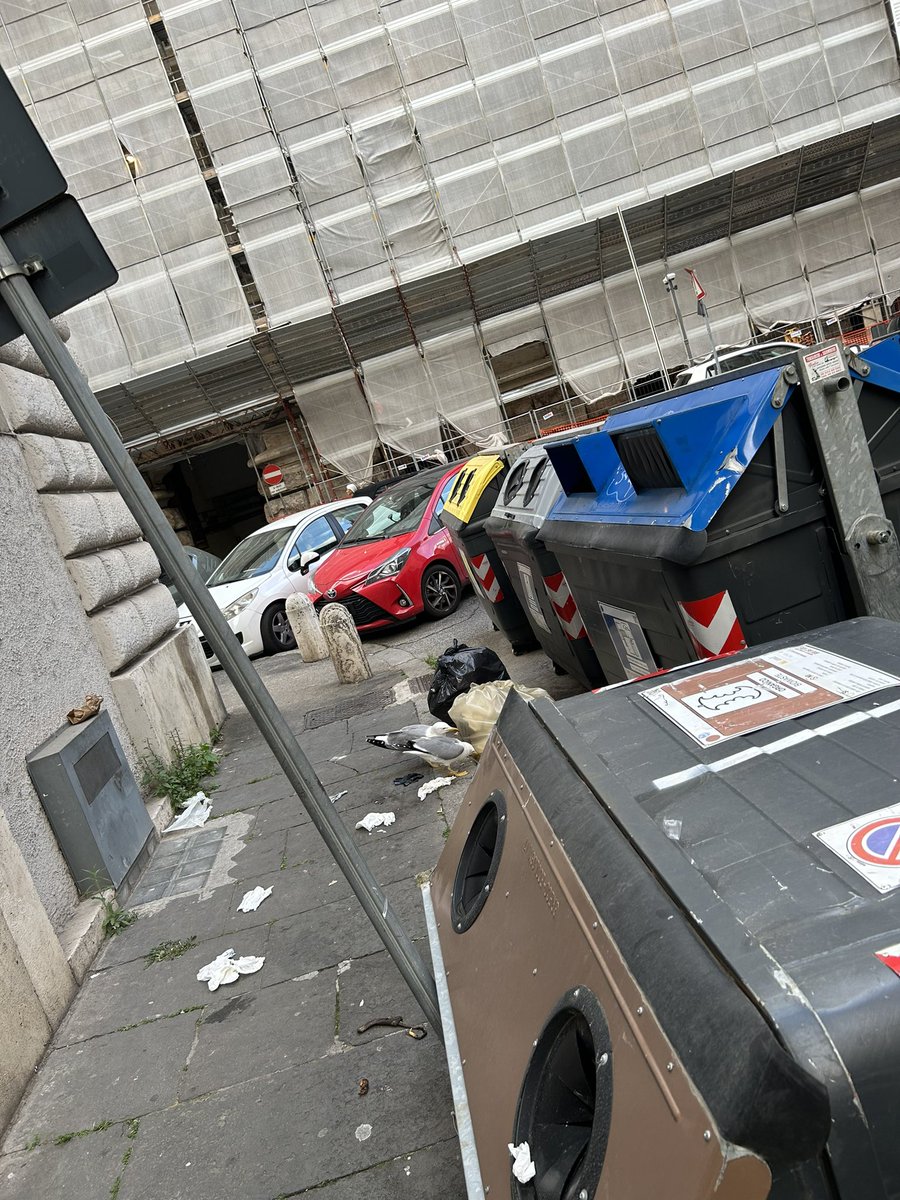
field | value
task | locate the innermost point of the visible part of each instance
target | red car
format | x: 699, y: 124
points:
x: 397, y: 559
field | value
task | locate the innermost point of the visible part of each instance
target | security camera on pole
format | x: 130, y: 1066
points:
x: 700, y: 293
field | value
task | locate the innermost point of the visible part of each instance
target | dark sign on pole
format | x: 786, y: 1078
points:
x: 44, y: 228
x: 70, y: 263
x: 29, y: 176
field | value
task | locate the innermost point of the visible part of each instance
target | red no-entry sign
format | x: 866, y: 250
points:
x: 272, y: 475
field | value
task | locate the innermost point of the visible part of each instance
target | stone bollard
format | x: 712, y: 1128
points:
x: 305, y: 627
x: 347, y: 654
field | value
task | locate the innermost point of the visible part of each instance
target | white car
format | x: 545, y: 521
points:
x: 733, y: 360
x: 252, y: 584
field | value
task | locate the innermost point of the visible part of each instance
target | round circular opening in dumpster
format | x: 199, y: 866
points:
x: 565, y: 1105
x: 479, y: 862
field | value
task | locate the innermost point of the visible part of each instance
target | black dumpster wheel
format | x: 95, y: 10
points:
x: 441, y: 591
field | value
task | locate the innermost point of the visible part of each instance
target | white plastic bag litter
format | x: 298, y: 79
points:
x: 523, y: 1168
x: 253, y: 899
x: 433, y: 784
x: 226, y: 969
x: 376, y: 821
x: 196, y: 813
x: 475, y: 712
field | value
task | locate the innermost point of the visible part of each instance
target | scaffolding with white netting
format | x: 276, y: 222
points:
x: 258, y: 165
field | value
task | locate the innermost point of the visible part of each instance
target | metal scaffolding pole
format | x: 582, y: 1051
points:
x: 662, y: 362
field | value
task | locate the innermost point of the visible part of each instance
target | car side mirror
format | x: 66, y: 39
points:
x: 307, y: 558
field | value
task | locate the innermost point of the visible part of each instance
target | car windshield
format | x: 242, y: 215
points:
x: 394, y: 512
x: 255, y: 555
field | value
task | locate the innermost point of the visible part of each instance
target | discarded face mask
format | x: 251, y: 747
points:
x: 253, y: 899
x: 195, y: 813
x: 226, y: 969
x: 433, y: 784
x: 376, y: 821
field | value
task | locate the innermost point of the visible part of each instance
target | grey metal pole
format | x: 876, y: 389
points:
x: 662, y: 362
x: 869, y: 538
x: 98, y: 429
x: 672, y: 289
x: 709, y: 334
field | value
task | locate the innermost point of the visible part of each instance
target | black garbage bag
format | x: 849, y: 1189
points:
x: 458, y: 668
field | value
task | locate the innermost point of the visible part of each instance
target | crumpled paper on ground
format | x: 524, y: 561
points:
x: 523, y: 1168
x: 376, y: 821
x: 475, y: 712
x: 226, y: 969
x: 253, y: 899
x: 196, y: 813
x: 433, y: 784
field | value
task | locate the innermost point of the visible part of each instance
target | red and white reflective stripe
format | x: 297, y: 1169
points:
x: 486, y: 577
x: 564, y: 606
x: 713, y: 625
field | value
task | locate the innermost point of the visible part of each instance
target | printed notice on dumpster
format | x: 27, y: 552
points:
x: 824, y: 363
x: 534, y: 605
x: 741, y: 697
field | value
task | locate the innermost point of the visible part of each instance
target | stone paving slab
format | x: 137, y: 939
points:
x: 373, y: 987
x: 245, y: 797
x: 261, y: 852
x: 244, y: 1036
x: 434, y: 1173
x: 293, y: 1130
x: 126, y: 995
x: 84, y: 1168
x: 108, y: 1078
x: 340, y: 931
x: 295, y: 890
x: 180, y: 917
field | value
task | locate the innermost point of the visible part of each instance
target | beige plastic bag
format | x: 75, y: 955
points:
x: 476, y: 711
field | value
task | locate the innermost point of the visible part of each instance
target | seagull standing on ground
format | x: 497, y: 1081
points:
x: 442, y: 752
x: 403, y: 739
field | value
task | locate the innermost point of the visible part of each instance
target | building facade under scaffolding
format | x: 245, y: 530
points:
x: 367, y: 228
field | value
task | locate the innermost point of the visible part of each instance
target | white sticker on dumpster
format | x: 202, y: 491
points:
x: 824, y: 363
x: 531, y: 598
x: 870, y: 844
x: 629, y: 641
x: 744, y: 696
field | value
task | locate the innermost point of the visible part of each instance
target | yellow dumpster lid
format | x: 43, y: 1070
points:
x: 470, y: 484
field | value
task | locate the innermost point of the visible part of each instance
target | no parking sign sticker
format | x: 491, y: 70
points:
x: 870, y: 844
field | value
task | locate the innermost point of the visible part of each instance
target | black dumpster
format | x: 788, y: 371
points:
x: 672, y: 963
x: 529, y: 492
x: 464, y: 514
x: 698, y: 523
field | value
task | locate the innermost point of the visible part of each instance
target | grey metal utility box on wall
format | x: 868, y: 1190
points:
x: 92, y: 801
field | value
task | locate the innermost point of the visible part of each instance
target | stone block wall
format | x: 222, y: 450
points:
x: 81, y: 610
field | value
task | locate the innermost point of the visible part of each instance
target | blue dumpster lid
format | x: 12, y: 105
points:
x: 672, y: 462
x: 883, y: 361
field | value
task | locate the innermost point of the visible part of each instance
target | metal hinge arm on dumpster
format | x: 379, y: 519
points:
x: 869, y: 538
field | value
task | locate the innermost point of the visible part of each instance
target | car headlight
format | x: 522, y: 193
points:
x: 238, y: 606
x: 392, y: 566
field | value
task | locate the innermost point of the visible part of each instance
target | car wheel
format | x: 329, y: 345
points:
x: 276, y: 630
x: 441, y: 591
